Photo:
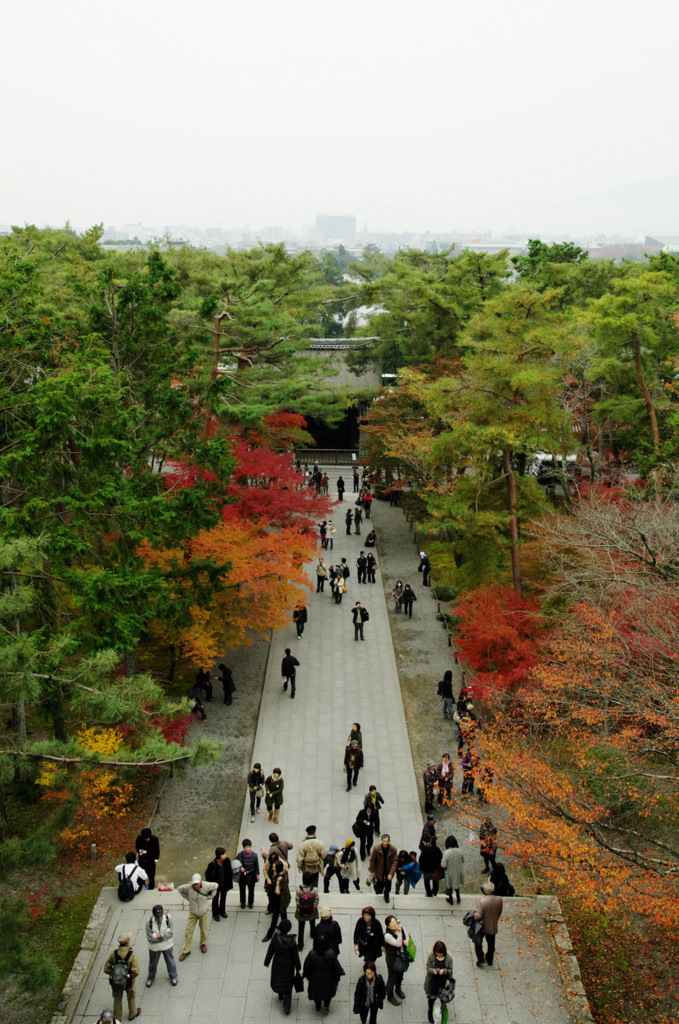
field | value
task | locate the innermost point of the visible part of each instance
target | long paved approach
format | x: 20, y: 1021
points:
x: 339, y: 681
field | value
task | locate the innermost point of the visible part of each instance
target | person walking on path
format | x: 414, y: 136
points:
x: 228, y: 685
x: 367, y: 503
x: 395, y: 939
x: 159, y: 937
x: 328, y: 930
x: 439, y: 976
x: 219, y: 871
x: 397, y: 594
x: 376, y: 801
x: 369, y: 994
x: 321, y: 575
x: 353, y: 763
x: 360, y: 616
x: 408, y: 599
x: 311, y: 855
x: 358, y: 519
x: 430, y: 861
x: 323, y: 971
x: 281, y: 847
x: 430, y: 779
x: 424, y: 567
x: 148, y: 852
x: 340, y: 489
x: 383, y: 860
x: 368, y: 935
x: 299, y: 617
x: 429, y: 833
x: 445, y: 691
x: 453, y: 869
x: 306, y: 907
x: 364, y: 829
x: 332, y: 868
x: 248, y: 875
x: 256, y: 787
x: 362, y: 567
x: 283, y: 956
x: 350, y: 871
x: 356, y: 734
x: 488, y: 911
x: 122, y: 967
x: 276, y: 883
x: 199, y: 896
x: 488, y: 844
x: 288, y: 671
x: 273, y: 788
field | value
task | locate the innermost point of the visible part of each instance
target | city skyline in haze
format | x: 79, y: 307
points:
x: 517, y: 118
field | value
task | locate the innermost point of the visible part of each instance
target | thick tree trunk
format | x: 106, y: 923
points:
x: 513, y: 521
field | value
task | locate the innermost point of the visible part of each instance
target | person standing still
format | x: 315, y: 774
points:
x: 360, y: 616
x: 273, y: 787
x: 125, y: 954
x: 199, y: 895
x: 255, y: 789
x: 355, y: 481
x: 159, y: 938
x: 219, y: 871
x: 348, y: 520
x: 340, y: 489
x: 358, y: 519
x: 489, y: 911
x: 321, y: 575
x: 248, y: 875
x: 424, y: 567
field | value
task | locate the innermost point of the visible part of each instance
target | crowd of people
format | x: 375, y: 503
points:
x: 439, y: 867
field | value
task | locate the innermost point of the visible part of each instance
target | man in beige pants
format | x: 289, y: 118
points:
x: 199, y: 895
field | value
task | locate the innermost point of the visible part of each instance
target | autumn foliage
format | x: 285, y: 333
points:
x: 497, y: 636
x: 265, y: 538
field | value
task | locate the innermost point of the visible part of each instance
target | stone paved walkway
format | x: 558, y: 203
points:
x: 339, y: 681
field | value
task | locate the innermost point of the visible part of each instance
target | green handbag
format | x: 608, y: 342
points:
x: 411, y: 949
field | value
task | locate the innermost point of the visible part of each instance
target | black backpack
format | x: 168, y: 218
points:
x: 121, y: 977
x: 126, y: 889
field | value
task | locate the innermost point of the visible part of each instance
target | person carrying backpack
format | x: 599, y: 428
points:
x: 122, y: 967
x: 131, y: 877
x: 306, y: 907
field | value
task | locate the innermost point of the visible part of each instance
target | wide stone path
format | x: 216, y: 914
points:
x: 339, y: 681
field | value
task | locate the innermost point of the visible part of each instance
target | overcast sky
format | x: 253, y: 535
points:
x: 438, y: 115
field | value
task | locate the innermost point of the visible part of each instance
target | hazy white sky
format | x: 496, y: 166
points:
x: 434, y: 115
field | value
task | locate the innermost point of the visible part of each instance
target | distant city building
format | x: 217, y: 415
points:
x: 336, y: 229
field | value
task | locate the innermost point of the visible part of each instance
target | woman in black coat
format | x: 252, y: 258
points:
x: 368, y: 935
x: 323, y: 971
x: 369, y: 993
x: 283, y: 952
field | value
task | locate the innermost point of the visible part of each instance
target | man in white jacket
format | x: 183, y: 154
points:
x: 159, y: 938
x: 199, y: 895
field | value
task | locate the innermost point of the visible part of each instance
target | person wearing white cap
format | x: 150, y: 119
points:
x: 424, y: 567
x: 199, y: 895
